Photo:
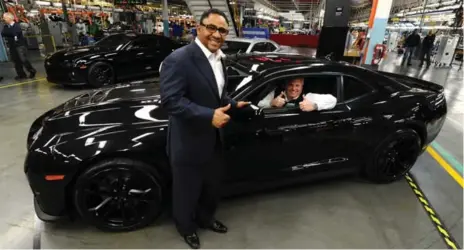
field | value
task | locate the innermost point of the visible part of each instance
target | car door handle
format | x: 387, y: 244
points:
x: 271, y: 132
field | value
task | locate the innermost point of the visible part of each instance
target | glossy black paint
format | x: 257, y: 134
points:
x: 266, y: 148
x: 124, y: 52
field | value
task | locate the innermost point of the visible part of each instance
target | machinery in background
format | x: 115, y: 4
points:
x: 392, y: 41
x: 444, y: 54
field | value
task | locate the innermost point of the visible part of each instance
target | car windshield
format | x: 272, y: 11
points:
x: 233, y: 47
x: 114, y: 41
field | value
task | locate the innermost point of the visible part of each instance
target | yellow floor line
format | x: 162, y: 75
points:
x: 456, y: 176
x: 22, y: 83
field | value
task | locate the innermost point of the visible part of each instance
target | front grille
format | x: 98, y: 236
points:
x: 57, y: 74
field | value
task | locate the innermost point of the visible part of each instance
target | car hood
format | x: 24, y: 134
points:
x: 121, y: 109
x: 124, y: 94
x: 127, y: 104
x: 75, y: 52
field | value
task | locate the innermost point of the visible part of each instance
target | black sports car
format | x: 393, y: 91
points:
x: 118, y: 57
x: 102, y: 153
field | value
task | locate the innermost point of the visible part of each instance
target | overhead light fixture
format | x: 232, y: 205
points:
x: 42, y: 3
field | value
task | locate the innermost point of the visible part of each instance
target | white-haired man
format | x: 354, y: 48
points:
x: 18, y: 47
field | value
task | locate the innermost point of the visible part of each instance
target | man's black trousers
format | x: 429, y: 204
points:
x: 425, y: 53
x: 196, y: 192
x: 19, y: 58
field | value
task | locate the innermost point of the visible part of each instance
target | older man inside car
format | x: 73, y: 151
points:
x: 293, y: 96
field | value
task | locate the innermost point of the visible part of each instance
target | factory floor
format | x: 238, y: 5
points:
x: 341, y: 213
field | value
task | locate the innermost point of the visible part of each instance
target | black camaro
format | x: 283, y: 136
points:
x: 118, y: 57
x: 102, y: 153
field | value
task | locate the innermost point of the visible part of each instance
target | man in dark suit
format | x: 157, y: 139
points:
x: 18, y: 47
x: 192, y: 83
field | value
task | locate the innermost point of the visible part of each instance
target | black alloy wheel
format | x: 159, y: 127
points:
x: 101, y: 74
x: 394, y: 157
x: 119, y: 195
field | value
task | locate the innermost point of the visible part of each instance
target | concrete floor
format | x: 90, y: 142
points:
x: 334, y: 214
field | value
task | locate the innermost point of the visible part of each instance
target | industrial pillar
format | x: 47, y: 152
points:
x: 377, y: 25
x: 166, y: 18
x: 335, y: 27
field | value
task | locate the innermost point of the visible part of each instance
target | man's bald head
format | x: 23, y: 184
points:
x: 8, y: 17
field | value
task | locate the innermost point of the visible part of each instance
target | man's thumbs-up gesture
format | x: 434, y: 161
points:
x: 307, y: 105
x: 279, y: 101
x: 220, y: 118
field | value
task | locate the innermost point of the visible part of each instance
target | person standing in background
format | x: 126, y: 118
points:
x: 410, y: 45
x: 193, y: 81
x: 427, y: 45
x: 18, y: 47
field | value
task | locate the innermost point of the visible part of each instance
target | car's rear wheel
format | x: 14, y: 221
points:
x: 394, y: 157
x: 100, y: 74
x: 119, y: 195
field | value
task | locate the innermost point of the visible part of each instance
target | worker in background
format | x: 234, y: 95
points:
x: 427, y: 45
x: 18, y: 47
x: 410, y: 45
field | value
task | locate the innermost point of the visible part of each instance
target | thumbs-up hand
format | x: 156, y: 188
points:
x: 242, y: 104
x: 307, y: 105
x: 279, y: 101
x: 220, y: 118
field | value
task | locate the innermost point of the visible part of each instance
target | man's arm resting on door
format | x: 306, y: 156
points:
x: 323, y: 101
x: 172, y: 88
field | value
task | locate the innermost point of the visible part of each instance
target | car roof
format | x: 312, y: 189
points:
x: 260, y: 62
x: 134, y: 35
x: 247, y: 40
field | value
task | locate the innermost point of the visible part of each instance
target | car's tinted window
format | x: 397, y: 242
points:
x: 317, y: 84
x: 233, y: 47
x: 146, y: 42
x: 353, y: 88
x: 271, y: 47
x: 259, y: 47
x: 321, y: 84
x: 113, y: 41
x: 164, y: 42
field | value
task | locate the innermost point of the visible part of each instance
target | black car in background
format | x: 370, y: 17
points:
x: 102, y: 153
x: 115, y: 58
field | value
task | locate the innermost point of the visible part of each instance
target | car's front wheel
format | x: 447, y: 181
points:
x: 101, y: 74
x: 394, y: 157
x: 119, y: 195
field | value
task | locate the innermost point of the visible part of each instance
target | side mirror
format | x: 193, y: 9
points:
x: 258, y: 111
x: 248, y: 113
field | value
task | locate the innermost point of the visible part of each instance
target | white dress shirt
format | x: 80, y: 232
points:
x: 323, y: 101
x: 216, y: 64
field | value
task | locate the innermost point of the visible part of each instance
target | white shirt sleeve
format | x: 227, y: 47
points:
x: 323, y: 101
x: 266, y: 102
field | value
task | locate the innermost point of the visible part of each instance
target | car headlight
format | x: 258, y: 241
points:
x: 34, y: 137
x: 81, y: 64
x: 37, y: 134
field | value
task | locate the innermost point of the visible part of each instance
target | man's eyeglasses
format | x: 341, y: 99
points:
x: 213, y: 28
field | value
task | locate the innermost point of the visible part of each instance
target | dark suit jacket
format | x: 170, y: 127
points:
x: 189, y: 94
x: 9, y: 34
